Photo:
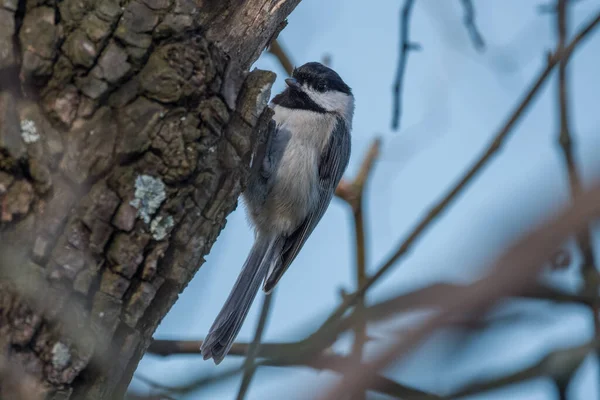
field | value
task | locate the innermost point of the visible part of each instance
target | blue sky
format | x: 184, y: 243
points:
x: 455, y: 100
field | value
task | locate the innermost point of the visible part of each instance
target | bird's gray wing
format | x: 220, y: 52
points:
x: 261, y: 169
x: 332, y: 165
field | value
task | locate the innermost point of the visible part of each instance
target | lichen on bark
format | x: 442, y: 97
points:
x: 126, y: 134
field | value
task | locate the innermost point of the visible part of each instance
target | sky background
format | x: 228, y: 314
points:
x: 455, y: 100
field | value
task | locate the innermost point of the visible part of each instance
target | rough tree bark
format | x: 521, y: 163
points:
x: 126, y: 133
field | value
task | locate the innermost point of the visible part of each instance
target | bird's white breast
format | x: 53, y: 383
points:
x: 304, y: 135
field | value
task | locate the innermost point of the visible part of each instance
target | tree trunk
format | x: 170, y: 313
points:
x: 126, y: 134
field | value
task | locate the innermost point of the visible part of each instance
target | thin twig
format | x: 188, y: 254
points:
x: 167, y: 347
x: 337, y: 363
x: 419, y: 299
x: 562, y: 391
x: 401, y: 347
x: 425, y: 298
x: 513, y: 272
x: 325, y: 361
x: 196, y: 384
x: 469, y: 20
x: 589, y: 268
x: 436, y: 211
x: 249, y: 367
x: 282, y: 56
x: 405, y: 47
x: 557, y: 365
x: 276, y: 358
x: 360, y: 328
x: 352, y: 193
x: 552, y: 7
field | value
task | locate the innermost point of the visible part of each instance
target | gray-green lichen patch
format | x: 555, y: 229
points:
x: 61, y: 355
x: 160, y: 226
x: 29, y: 131
x: 263, y: 98
x: 149, y: 195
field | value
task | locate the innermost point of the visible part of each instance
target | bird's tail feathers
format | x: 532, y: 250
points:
x: 223, y: 331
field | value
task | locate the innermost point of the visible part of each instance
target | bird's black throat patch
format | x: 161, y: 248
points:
x: 297, y: 99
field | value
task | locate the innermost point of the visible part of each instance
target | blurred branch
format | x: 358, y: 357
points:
x: 380, y: 384
x: 552, y: 7
x: 174, y: 347
x: 512, y: 273
x: 426, y: 298
x: 589, y: 268
x: 556, y: 365
x: 195, y: 384
x: 294, y: 354
x: 352, y: 193
x: 469, y: 20
x: 405, y: 47
x: 584, y: 238
x: 276, y: 355
x: 328, y: 328
x: 423, y: 298
x: 249, y: 367
x: 562, y: 391
x: 276, y: 49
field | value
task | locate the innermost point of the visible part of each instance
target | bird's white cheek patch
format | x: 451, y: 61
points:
x: 331, y: 101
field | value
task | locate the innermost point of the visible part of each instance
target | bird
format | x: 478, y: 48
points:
x: 288, y: 193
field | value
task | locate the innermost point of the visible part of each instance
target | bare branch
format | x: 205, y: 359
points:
x: 380, y: 384
x: 512, y: 273
x: 557, y: 365
x: 589, y: 269
x: 352, y: 193
x: 200, y: 382
x: 277, y: 356
x: 437, y: 210
x: 469, y: 20
x: 405, y: 46
x: 249, y: 367
x: 552, y: 7
x: 166, y: 348
x: 282, y: 56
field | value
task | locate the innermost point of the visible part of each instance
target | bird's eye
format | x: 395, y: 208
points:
x: 321, y: 87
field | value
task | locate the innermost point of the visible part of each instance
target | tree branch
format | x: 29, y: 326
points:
x: 512, y: 273
x: 352, y: 194
x: 275, y: 356
x: 328, y: 327
x: 423, y: 298
x: 282, y: 56
x: 557, y: 365
x: 249, y: 367
x: 469, y: 21
x: 589, y: 269
x: 584, y: 238
x: 405, y: 47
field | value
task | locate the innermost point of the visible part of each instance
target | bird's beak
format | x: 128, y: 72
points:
x: 293, y: 83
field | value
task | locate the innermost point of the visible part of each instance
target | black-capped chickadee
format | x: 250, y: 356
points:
x: 287, y: 196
